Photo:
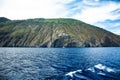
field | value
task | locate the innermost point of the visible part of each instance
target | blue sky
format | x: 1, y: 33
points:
x: 102, y: 13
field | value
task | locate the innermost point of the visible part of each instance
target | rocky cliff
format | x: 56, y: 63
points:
x: 59, y: 32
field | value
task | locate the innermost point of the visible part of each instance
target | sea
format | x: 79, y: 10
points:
x: 101, y: 63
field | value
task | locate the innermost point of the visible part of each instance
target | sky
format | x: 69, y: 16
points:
x: 102, y: 13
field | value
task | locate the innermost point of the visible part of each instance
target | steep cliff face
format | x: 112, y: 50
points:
x: 54, y: 33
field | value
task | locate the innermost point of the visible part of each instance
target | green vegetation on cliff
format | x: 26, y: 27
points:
x: 59, y: 32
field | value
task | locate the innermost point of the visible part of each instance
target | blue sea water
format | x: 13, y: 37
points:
x: 60, y: 63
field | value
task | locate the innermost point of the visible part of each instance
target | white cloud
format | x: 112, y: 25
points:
x: 116, y: 31
x: 91, y: 2
x: 97, y: 13
x: 21, y: 9
x: 93, y: 15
